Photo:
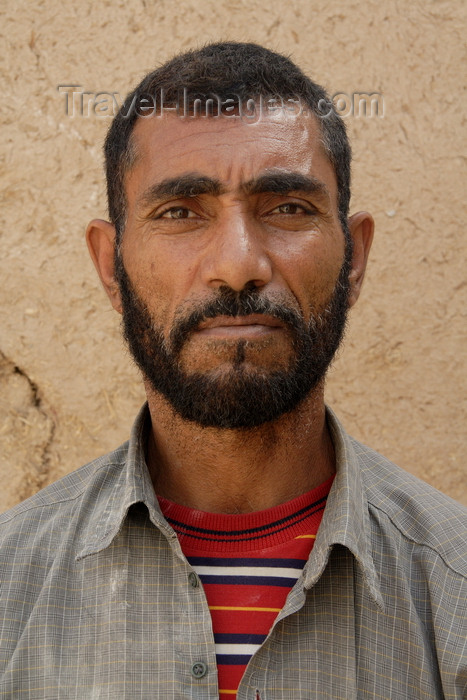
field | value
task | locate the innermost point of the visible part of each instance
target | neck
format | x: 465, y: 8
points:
x: 239, y: 471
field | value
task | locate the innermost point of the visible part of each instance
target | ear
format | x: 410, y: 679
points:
x: 100, y: 237
x: 361, y: 226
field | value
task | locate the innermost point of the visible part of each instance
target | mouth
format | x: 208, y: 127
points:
x: 231, y: 327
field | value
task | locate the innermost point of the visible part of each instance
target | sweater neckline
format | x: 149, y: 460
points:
x: 255, y: 530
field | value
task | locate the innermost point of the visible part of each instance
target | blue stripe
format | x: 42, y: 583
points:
x: 250, y: 580
x: 225, y: 561
x: 233, y: 660
x: 233, y: 638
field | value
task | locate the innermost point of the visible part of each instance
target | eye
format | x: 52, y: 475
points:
x: 177, y: 213
x: 291, y: 208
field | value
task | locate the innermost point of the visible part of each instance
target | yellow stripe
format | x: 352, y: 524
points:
x: 227, y: 607
x: 305, y: 537
x: 229, y: 692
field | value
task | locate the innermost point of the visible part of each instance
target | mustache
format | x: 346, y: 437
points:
x: 231, y: 303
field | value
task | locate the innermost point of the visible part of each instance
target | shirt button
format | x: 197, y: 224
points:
x: 199, y: 669
x: 193, y: 579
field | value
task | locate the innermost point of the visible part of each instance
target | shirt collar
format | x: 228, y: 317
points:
x: 123, y: 479
x: 346, y: 518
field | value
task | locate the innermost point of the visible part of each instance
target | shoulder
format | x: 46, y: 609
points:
x: 417, y: 512
x: 52, y: 507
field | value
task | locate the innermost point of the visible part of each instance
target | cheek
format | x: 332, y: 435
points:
x: 319, y: 287
x: 165, y: 288
x: 311, y: 273
x: 151, y: 284
x: 153, y: 273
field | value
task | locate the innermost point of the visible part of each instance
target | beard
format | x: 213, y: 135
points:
x: 244, y: 396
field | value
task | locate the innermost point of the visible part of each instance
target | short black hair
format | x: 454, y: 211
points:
x: 223, y: 69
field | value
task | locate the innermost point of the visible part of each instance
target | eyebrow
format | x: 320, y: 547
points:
x: 189, y: 185
x: 195, y: 184
x: 284, y: 182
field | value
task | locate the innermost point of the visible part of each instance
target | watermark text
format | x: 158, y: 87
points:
x: 78, y: 102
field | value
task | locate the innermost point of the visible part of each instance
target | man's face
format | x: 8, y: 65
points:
x: 233, y: 269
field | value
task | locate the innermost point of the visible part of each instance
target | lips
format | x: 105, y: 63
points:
x: 250, y: 320
x: 234, y: 326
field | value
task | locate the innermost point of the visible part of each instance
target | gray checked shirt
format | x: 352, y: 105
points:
x: 97, y: 600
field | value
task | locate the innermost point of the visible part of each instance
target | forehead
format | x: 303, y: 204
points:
x: 227, y: 149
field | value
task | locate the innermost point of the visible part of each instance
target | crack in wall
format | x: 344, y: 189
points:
x: 36, y: 400
x: 36, y: 468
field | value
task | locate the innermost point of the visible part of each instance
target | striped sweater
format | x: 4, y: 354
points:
x: 247, y: 563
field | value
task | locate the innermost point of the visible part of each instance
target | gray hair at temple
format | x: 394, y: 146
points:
x: 225, y: 69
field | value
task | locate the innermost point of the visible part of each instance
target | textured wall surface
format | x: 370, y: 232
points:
x: 68, y: 390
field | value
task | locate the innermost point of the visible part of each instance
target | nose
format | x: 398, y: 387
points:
x: 237, y: 255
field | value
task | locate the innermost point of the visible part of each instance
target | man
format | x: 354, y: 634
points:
x: 241, y: 544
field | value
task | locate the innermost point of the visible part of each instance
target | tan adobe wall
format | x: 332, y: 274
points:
x: 68, y: 391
